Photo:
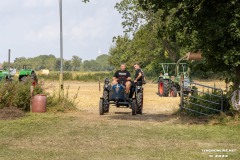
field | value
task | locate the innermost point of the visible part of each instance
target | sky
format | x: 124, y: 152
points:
x: 31, y: 28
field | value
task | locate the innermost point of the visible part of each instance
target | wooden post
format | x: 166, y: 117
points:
x: 31, y: 94
x: 99, y: 84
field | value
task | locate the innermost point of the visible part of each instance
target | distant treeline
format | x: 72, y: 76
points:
x: 101, y: 63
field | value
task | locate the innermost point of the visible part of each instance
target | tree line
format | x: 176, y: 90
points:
x: 50, y: 62
x: 163, y: 31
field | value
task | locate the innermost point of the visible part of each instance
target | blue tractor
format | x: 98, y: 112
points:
x: 116, y: 95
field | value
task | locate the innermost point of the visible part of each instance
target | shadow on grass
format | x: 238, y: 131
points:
x: 175, y: 118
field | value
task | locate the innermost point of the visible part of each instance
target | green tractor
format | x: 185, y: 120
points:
x: 6, y: 74
x: 27, y: 73
x: 170, y: 85
x: 3, y: 75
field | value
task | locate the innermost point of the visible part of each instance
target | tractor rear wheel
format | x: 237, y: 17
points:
x: 173, y: 92
x: 101, y: 107
x: 139, y: 97
x: 134, y: 107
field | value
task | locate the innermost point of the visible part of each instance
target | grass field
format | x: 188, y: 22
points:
x: 157, y: 134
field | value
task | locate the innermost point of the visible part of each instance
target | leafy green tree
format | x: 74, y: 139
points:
x: 103, y: 62
x: 57, y: 65
x: 90, y: 65
x: 76, y: 62
x: 67, y: 65
x: 183, y: 26
x: 212, y: 26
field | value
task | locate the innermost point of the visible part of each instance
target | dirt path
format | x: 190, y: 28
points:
x: 156, y: 109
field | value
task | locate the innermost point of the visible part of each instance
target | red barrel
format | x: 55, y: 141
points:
x: 39, y: 103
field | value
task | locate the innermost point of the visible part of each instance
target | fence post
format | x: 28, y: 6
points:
x: 31, y: 94
x: 222, y: 101
x: 99, y: 84
x: 181, y: 94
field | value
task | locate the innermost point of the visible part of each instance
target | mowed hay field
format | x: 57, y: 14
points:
x: 158, y: 134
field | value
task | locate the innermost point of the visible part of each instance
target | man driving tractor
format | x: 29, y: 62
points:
x: 124, y: 77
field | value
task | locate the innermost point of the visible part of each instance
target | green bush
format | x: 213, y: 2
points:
x: 63, y: 104
x: 16, y: 94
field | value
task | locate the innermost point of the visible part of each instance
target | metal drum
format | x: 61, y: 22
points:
x: 39, y: 103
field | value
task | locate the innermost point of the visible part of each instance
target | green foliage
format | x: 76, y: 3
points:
x: 78, y: 76
x: 100, y: 64
x: 37, y: 63
x: 179, y: 27
x: 56, y: 104
x: 94, y: 77
x: 16, y: 94
x: 54, y: 64
x: 212, y: 26
x: 62, y: 104
x: 76, y: 63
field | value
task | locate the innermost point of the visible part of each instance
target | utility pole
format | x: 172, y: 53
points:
x: 61, y: 88
x: 9, y: 58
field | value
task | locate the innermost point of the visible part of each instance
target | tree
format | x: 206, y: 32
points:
x: 212, y: 26
x: 57, y: 65
x: 183, y: 26
x: 90, y: 65
x: 103, y: 62
x: 76, y: 62
x: 67, y: 65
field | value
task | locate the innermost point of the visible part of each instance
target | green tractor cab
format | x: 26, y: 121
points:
x: 27, y: 73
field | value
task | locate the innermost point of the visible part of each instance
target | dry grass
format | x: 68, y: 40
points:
x: 157, y: 134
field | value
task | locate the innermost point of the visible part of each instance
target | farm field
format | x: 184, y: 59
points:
x: 157, y: 134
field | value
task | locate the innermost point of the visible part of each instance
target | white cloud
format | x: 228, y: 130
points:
x: 35, y: 24
x: 89, y: 28
x: 39, y: 3
x: 47, y: 33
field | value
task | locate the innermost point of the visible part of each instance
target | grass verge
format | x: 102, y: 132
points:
x: 76, y: 136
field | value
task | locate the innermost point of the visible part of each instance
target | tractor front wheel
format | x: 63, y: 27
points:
x: 106, y: 99
x: 101, y: 107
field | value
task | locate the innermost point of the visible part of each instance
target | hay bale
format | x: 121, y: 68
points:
x: 45, y: 72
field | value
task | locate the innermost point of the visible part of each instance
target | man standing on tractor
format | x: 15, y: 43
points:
x: 124, y: 77
x: 139, y: 76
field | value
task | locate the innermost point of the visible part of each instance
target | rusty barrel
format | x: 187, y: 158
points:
x: 39, y: 103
